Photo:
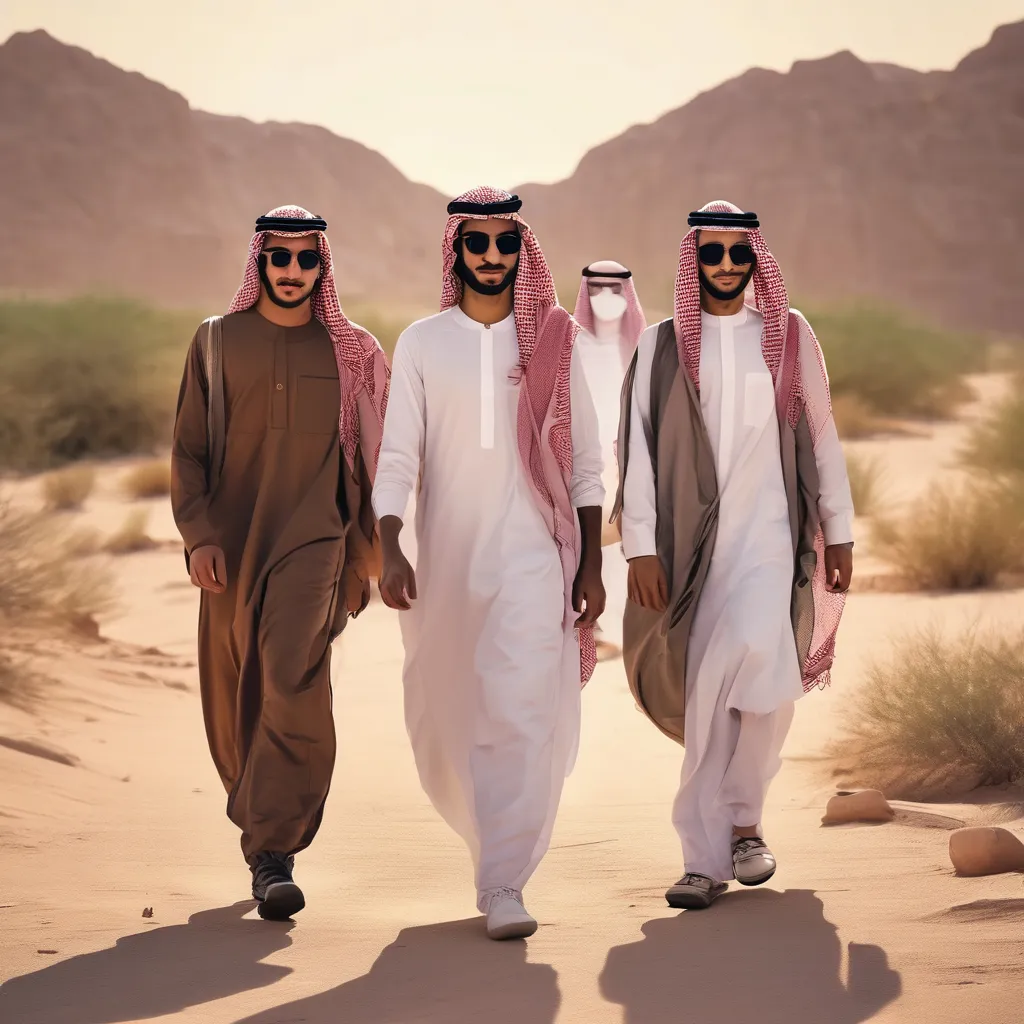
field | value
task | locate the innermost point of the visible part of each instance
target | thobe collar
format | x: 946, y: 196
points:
x: 607, y: 333
x: 474, y: 325
x: 735, y: 319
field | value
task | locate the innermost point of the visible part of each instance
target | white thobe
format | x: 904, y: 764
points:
x: 602, y: 359
x: 743, y: 674
x: 492, y: 663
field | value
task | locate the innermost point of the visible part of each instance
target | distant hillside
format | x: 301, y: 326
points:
x: 870, y: 181
x: 111, y: 182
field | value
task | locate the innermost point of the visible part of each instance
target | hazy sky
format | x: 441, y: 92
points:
x: 459, y: 93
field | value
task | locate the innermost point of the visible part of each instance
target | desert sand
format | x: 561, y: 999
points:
x: 109, y: 806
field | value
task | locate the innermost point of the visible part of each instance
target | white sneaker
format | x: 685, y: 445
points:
x: 506, y: 916
x: 752, y: 861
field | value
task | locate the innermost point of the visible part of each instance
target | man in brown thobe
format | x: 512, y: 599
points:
x: 279, y: 533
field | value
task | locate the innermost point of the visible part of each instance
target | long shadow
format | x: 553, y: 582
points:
x: 763, y: 956
x: 153, y: 973
x: 447, y: 973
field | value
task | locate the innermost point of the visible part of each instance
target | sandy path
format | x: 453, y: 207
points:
x: 859, y: 924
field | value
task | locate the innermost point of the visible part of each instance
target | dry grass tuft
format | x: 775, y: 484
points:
x: 132, y: 537
x: 48, y: 582
x: 866, y: 477
x: 960, y: 537
x: 148, y: 480
x: 20, y: 685
x: 940, y: 717
x: 66, y: 490
x: 996, y: 444
x: 854, y: 420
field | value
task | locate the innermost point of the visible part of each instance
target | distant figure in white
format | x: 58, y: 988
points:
x: 608, y: 310
x: 491, y: 424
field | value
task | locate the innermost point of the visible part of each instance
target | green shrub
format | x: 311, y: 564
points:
x: 385, y: 327
x: 86, y: 378
x: 939, y: 717
x: 895, y: 366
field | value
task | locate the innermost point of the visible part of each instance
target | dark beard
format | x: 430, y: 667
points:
x: 468, y: 277
x: 274, y: 297
x: 725, y: 296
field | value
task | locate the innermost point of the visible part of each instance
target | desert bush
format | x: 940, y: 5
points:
x: 866, y: 476
x: 43, y: 582
x: 67, y: 489
x: 385, y: 327
x: 132, y: 536
x: 86, y: 379
x: 959, y: 537
x: 996, y: 444
x: 939, y: 717
x: 21, y: 685
x: 894, y: 365
x: 854, y: 420
x: 148, y: 480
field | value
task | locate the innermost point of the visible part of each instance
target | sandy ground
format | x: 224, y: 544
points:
x: 109, y: 805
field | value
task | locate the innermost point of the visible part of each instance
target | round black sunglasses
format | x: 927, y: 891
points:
x: 478, y: 242
x: 712, y: 253
x: 281, y: 258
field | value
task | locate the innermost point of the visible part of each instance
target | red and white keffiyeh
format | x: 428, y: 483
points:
x: 633, y: 320
x: 794, y: 358
x: 546, y: 334
x: 362, y: 368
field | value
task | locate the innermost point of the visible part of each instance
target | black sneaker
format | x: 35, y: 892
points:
x: 695, y: 892
x: 272, y: 885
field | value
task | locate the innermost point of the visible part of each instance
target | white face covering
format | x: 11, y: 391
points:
x: 608, y: 306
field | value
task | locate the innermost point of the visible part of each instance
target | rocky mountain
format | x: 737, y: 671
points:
x: 112, y: 183
x: 869, y: 180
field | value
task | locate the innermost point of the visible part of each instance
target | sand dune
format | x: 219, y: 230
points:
x: 861, y: 923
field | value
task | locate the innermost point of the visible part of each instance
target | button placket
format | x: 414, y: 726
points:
x: 486, y: 387
x: 279, y: 396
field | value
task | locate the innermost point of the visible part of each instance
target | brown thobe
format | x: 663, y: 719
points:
x: 298, y: 537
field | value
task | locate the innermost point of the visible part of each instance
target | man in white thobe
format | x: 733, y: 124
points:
x: 608, y: 310
x: 507, y: 556
x: 766, y: 526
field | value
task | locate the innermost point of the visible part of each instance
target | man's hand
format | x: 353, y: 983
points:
x: 208, y: 569
x: 839, y: 567
x: 588, y: 594
x: 397, y: 581
x: 646, y: 584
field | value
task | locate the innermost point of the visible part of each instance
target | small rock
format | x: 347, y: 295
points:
x: 147, y: 912
x: 867, y: 805
x: 47, y: 952
x: 985, y: 851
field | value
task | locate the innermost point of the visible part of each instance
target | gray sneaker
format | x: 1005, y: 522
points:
x: 695, y: 892
x: 752, y: 861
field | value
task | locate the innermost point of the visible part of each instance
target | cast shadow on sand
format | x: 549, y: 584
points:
x: 436, y: 974
x: 763, y: 956
x: 152, y: 973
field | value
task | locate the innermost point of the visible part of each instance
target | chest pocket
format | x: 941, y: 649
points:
x: 758, y: 399
x: 317, y: 405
